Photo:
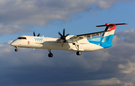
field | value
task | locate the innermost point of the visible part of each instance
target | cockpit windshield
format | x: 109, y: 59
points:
x: 21, y: 38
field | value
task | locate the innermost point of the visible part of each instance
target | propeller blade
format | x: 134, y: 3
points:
x: 62, y: 44
x: 67, y: 35
x: 60, y: 34
x: 65, y: 41
x: 64, y: 32
x: 34, y: 33
x: 63, y: 37
x: 38, y: 35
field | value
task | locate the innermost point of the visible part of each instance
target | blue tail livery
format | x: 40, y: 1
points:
x: 106, y: 40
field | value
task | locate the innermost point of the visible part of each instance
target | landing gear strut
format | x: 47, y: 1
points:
x: 78, y: 53
x: 50, y: 54
x: 16, y: 50
x: 77, y: 47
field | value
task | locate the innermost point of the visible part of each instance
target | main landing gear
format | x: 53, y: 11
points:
x: 50, y: 54
x: 77, y: 47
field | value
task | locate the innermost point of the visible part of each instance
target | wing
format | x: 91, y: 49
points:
x: 81, y: 36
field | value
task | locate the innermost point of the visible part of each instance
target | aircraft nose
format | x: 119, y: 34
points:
x: 12, y: 44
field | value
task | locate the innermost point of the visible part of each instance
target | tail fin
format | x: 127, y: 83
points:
x: 107, y: 37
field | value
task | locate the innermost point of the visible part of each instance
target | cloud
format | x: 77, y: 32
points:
x: 42, y: 12
x: 112, y: 81
x: 11, y: 29
x: 94, y: 14
x: 127, y: 35
x: 113, y: 66
x: 17, y: 13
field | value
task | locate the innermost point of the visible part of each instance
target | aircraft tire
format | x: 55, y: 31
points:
x: 16, y: 50
x: 78, y: 53
x: 50, y: 55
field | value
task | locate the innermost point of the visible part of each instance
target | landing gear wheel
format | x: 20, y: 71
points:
x: 50, y: 55
x: 78, y: 53
x: 16, y: 50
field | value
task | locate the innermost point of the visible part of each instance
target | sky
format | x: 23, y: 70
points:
x: 114, y: 66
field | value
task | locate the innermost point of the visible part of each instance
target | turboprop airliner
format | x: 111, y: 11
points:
x: 79, y: 43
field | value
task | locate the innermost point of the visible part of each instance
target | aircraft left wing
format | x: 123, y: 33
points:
x: 81, y: 36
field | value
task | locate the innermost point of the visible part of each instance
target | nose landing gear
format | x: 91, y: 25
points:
x: 16, y: 49
x: 78, y: 53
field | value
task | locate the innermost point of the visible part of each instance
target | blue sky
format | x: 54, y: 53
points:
x: 109, y: 67
x: 82, y: 22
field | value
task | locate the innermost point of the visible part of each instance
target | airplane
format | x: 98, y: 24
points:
x: 79, y: 43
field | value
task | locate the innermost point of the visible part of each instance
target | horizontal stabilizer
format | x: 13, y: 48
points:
x: 109, y: 24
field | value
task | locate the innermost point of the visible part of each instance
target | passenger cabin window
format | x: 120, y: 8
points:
x: 21, y: 38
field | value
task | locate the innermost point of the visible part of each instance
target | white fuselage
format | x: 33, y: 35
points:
x: 54, y: 44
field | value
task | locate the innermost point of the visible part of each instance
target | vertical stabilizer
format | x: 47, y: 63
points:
x: 107, y: 37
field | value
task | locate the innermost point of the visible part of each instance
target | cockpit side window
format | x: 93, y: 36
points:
x: 21, y: 38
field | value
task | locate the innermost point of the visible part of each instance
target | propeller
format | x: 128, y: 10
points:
x: 107, y: 24
x: 35, y: 34
x: 63, y: 36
